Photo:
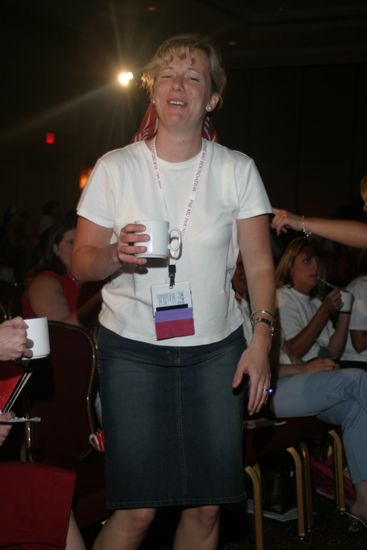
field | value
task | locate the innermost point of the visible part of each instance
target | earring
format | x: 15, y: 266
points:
x: 208, y: 109
x: 153, y: 101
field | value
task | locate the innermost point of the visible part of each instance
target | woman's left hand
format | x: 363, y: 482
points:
x: 255, y: 363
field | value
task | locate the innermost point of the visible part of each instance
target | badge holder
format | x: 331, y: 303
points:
x: 172, y: 309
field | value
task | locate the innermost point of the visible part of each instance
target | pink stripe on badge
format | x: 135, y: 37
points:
x: 172, y: 329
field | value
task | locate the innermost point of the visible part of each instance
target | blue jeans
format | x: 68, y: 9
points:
x: 338, y: 397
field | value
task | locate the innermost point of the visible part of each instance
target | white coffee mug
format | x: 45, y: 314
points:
x: 163, y: 240
x: 37, y: 331
x: 347, y: 301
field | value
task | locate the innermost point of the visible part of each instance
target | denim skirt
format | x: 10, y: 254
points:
x: 172, y: 422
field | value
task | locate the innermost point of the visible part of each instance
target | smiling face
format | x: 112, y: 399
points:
x: 305, y: 271
x: 182, y: 91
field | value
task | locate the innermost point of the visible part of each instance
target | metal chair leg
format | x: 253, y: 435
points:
x: 305, y: 457
x: 300, y: 495
x: 254, y: 473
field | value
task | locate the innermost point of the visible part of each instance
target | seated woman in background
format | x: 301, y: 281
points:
x: 319, y: 388
x: 306, y: 321
x: 53, y: 291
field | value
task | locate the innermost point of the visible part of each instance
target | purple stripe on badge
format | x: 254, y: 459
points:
x: 173, y: 315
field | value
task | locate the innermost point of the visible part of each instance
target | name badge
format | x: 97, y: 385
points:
x: 172, y: 310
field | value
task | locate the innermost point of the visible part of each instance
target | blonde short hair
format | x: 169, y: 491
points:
x: 183, y: 46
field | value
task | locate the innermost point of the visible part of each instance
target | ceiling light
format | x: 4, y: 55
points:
x: 124, y: 77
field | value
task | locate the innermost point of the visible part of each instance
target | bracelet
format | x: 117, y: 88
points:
x: 305, y: 231
x: 262, y: 311
x: 256, y: 320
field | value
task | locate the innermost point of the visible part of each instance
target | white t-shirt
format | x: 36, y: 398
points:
x: 295, y: 312
x: 122, y: 188
x: 358, y: 320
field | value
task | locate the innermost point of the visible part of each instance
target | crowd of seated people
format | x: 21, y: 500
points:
x: 316, y: 337
x: 48, y: 290
x: 308, y: 380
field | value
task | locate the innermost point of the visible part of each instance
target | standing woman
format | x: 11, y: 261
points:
x: 172, y: 409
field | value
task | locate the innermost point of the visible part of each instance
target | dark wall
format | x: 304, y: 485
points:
x: 305, y: 128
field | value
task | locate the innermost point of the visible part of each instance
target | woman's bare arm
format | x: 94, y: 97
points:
x: 299, y: 345
x: 254, y: 242
x: 95, y: 259
x: 348, y: 232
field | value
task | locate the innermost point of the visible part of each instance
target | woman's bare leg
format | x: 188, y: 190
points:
x: 198, y: 528
x: 359, y: 506
x: 124, y: 530
x: 74, y: 540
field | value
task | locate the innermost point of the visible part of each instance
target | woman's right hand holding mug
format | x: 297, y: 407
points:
x: 126, y: 249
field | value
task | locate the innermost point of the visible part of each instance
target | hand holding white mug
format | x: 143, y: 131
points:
x: 13, y: 340
x: 163, y: 242
x: 134, y: 246
x: 126, y: 248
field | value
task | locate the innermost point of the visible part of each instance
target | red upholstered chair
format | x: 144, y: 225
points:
x: 290, y: 436
x: 59, y: 392
x: 35, y: 506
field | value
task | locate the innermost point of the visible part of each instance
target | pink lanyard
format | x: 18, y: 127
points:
x: 194, y: 185
x: 172, y: 265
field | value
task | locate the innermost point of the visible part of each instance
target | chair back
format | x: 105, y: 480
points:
x: 58, y: 393
x: 276, y: 435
